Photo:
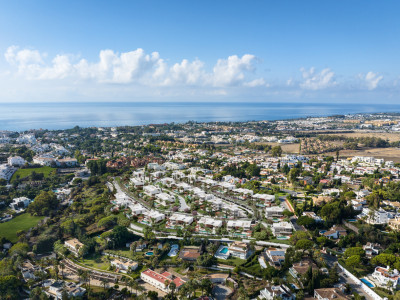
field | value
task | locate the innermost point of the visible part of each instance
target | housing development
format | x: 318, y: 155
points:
x: 291, y: 209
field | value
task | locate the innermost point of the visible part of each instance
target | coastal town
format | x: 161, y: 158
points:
x: 290, y: 209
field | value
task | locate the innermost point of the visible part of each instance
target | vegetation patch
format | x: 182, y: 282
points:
x: 22, y: 222
x: 23, y: 173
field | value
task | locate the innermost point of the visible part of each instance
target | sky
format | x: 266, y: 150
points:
x: 306, y: 51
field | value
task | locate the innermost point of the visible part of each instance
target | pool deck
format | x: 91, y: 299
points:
x: 221, y: 255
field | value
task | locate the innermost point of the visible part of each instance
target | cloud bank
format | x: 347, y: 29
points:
x: 134, y: 67
x: 136, y: 73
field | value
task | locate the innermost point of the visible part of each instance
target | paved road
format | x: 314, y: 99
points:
x: 355, y: 286
x: 182, y: 202
x: 221, y: 292
x: 331, y: 260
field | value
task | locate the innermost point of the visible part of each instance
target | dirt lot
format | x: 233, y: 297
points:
x: 287, y: 148
x: 391, y: 136
x: 385, y: 153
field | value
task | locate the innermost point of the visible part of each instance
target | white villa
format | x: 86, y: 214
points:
x: 16, y: 161
x: 124, y: 265
x: 151, y: 190
x: 274, y: 212
x: 73, y: 245
x: 282, y: 228
x: 387, y: 278
x: 239, y: 249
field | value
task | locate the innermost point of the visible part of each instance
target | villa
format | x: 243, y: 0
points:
x: 19, y: 204
x: 282, y: 228
x: 190, y: 253
x: 124, y: 265
x: 209, y: 222
x: 151, y: 190
x: 329, y: 293
x: 274, y: 212
x: 16, y: 161
x: 276, y: 256
x: 160, y: 281
x: 180, y: 219
x: 73, y: 245
x: 277, y: 292
x: 335, y: 232
x: 301, y: 267
x: 239, y: 249
x: 386, y: 278
x: 238, y: 224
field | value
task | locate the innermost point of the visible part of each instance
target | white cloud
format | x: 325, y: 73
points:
x: 231, y: 71
x: 317, y: 81
x: 256, y: 82
x: 134, y: 67
x: 371, y: 80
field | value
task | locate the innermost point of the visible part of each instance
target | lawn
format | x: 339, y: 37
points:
x: 124, y: 253
x: 22, y: 173
x: 96, y: 261
x: 232, y: 261
x: 22, y: 222
x: 287, y: 242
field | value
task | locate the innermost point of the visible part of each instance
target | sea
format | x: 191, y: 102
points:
x: 26, y: 116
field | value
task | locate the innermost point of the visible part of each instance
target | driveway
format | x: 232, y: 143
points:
x: 221, y: 292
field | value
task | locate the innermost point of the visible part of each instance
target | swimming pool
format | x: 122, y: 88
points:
x: 224, y: 250
x: 150, y: 253
x: 369, y: 284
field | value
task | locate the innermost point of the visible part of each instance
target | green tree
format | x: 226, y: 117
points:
x: 276, y: 151
x: 43, y: 204
x: 353, y: 261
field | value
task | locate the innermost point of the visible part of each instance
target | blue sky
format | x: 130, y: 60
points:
x: 199, y: 51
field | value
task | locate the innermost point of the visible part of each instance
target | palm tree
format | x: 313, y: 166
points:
x: 166, y: 283
x: 80, y: 274
x: 62, y: 269
x: 172, y: 287
x: 131, y: 284
x: 104, y: 283
x: 85, y: 276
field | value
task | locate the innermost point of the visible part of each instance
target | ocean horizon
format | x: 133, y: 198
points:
x: 52, y: 116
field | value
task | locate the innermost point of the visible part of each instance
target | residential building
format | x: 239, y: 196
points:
x: 124, y: 265
x: 160, y: 281
x: 275, y: 255
x: 282, y: 228
x: 239, y: 249
x: 394, y: 224
x: 180, y: 219
x: 16, y: 161
x: 57, y: 288
x: 151, y: 190
x: 301, y: 267
x: 274, y: 212
x: 386, y: 277
x: 19, y: 204
x: 277, y: 292
x: 238, y: 224
x: 6, y: 171
x: 372, y: 249
x: 329, y: 294
x: 335, y: 232
x: 190, y: 253
x: 209, y: 222
x: 74, y: 245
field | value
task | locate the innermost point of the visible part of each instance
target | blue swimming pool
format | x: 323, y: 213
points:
x: 369, y: 284
x: 224, y: 250
x: 150, y: 253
